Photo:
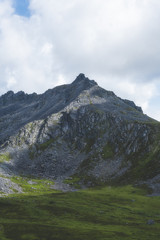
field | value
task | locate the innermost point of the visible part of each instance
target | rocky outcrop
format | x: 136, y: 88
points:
x: 78, y: 129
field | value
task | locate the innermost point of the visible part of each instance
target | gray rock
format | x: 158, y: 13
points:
x: 8, y: 187
x: 150, y: 222
x: 32, y: 182
x: 77, y: 128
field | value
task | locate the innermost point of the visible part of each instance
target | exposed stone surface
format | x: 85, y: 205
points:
x: 150, y: 222
x: 8, y: 187
x: 60, y: 185
x: 153, y: 184
x: 78, y: 129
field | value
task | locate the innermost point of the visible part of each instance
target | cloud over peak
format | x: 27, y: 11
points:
x: 115, y: 42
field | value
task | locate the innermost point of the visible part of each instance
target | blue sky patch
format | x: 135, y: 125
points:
x: 22, y: 7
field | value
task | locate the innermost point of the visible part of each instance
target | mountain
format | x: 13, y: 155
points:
x: 78, y: 130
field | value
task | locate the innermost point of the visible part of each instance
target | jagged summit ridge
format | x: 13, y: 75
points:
x: 81, y: 79
x: 18, y: 109
x: 80, y: 84
x: 78, y: 128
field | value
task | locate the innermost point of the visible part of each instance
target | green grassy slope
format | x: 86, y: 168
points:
x: 98, y: 214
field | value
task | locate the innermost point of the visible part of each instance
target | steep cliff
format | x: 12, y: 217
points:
x: 78, y: 130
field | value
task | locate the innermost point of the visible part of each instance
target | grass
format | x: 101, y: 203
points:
x: 37, y: 186
x: 5, y: 157
x: 90, y: 143
x: 39, y: 147
x: 145, y: 165
x: 107, y: 151
x: 45, y: 145
x: 94, y: 214
x: 74, y: 181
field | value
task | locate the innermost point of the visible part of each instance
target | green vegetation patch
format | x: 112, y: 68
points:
x: 73, y: 181
x: 32, y: 154
x: 33, y: 185
x: 5, y: 157
x: 115, y: 213
x: 90, y: 143
x: 45, y: 145
x: 107, y: 151
x: 145, y: 165
x: 30, y: 126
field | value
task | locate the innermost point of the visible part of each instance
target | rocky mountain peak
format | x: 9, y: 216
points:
x: 78, y: 128
x: 81, y: 76
x: 8, y: 95
x: 81, y: 79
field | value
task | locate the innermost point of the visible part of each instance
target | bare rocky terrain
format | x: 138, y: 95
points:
x: 78, y: 130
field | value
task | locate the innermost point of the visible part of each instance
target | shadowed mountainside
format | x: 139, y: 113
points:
x: 78, y: 130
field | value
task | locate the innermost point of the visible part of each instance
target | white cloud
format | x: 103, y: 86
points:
x: 6, y: 9
x: 115, y: 42
x: 11, y: 82
x: 46, y: 49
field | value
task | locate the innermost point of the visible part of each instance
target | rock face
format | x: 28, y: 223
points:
x: 78, y: 129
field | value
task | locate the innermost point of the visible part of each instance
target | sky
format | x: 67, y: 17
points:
x: 115, y: 42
